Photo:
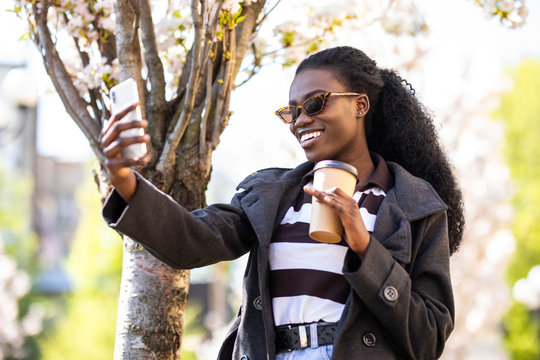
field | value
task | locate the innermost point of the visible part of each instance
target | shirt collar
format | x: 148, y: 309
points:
x: 380, y: 176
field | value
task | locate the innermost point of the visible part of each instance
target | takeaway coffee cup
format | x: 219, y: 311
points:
x: 325, y: 225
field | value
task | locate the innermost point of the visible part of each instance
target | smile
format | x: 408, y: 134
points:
x: 305, y: 138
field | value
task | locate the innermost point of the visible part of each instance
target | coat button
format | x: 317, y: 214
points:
x: 390, y: 293
x: 257, y: 303
x: 369, y: 339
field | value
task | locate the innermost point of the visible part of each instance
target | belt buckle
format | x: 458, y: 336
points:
x: 303, y: 336
x: 313, y: 335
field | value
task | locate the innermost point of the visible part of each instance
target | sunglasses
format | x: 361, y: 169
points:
x: 311, y: 106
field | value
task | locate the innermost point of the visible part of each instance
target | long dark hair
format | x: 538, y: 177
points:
x: 397, y: 125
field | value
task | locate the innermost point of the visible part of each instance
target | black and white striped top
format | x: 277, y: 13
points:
x: 307, y: 282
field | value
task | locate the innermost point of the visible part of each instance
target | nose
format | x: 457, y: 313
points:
x: 302, y: 119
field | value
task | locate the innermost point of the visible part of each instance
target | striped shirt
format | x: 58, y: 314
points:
x: 306, y: 277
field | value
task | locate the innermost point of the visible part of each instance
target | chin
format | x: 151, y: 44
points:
x: 314, y: 158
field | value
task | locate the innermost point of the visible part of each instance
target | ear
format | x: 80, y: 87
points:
x: 362, y: 105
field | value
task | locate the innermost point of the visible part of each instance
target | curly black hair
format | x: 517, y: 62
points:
x: 398, y: 127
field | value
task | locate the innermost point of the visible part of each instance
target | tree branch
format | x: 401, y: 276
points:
x: 209, y: 44
x: 255, y: 67
x: 155, y: 73
x: 93, y: 93
x: 207, y: 107
x: 167, y: 160
x: 240, y: 36
x: 267, y: 13
x: 129, y: 50
x: 211, y: 33
x: 222, y: 106
x: 155, y: 66
x: 74, y: 104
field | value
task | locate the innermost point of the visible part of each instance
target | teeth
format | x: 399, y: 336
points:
x: 310, y: 135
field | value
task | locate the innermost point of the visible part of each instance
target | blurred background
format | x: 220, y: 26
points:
x: 60, y: 265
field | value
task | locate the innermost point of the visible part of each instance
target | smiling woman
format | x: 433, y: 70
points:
x: 383, y: 291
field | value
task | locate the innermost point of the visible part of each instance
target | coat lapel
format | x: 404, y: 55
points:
x: 392, y: 229
x: 269, y: 195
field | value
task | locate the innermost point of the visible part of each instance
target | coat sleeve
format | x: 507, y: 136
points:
x: 180, y: 238
x: 415, y: 307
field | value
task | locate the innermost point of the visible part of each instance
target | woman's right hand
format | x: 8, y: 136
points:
x: 119, y: 167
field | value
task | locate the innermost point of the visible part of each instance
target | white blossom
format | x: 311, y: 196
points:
x: 506, y: 5
x: 107, y: 6
x: 174, y: 59
x: 512, y: 13
x: 232, y: 6
x: 489, y: 8
x: 108, y: 23
x: 527, y: 290
x: 286, y: 27
x: 523, y: 12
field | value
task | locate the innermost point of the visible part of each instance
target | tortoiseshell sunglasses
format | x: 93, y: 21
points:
x: 311, y: 106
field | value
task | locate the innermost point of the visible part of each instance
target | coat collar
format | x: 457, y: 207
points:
x: 410, y: 199
x: 269, y: 194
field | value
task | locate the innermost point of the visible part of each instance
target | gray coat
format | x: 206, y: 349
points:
x: 400, y: 305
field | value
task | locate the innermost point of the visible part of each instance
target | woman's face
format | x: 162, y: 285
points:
x: 337, y: 132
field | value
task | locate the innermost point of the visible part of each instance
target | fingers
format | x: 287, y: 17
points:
x: 113, y: 131
x: 356, y: 234
x: 114, y: 147
x: 334, y: 197
x: 119, y: 116
x: 119, y: 162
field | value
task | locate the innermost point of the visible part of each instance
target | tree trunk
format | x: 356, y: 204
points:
x: 153, y: 296
x: 150, y: 308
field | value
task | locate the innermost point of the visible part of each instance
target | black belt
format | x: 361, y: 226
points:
x: 290, y: 338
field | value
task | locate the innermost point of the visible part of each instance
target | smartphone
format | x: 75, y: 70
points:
x: 123, y: 95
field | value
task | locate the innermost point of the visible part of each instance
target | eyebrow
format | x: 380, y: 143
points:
x: 308, y: 95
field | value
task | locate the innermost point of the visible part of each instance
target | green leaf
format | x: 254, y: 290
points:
x: 25, y: 36
x: 239, y: 19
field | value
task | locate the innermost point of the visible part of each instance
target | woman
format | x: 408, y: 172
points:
x: 384, y: 292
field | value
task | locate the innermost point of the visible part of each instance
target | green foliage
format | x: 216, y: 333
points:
x: 520, y: 111
x: 522, y: 331
x: 230, y: 20
x: 17, y: 238
x: 19, y: 241
x: 193, y: 332
x: 87, y: 327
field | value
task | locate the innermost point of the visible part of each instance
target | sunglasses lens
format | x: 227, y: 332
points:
x: 314, y: 105
x: 287, y: 114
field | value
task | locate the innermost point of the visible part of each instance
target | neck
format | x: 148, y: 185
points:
x: 364, y: 165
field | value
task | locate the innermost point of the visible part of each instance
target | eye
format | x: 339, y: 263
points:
x: 314, y: 105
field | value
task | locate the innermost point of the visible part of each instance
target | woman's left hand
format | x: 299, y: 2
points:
x: 346, y: 207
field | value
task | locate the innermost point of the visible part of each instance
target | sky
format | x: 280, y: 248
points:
x: 462, y: 43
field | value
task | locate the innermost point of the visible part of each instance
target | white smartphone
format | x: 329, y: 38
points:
x: 123, y: 95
